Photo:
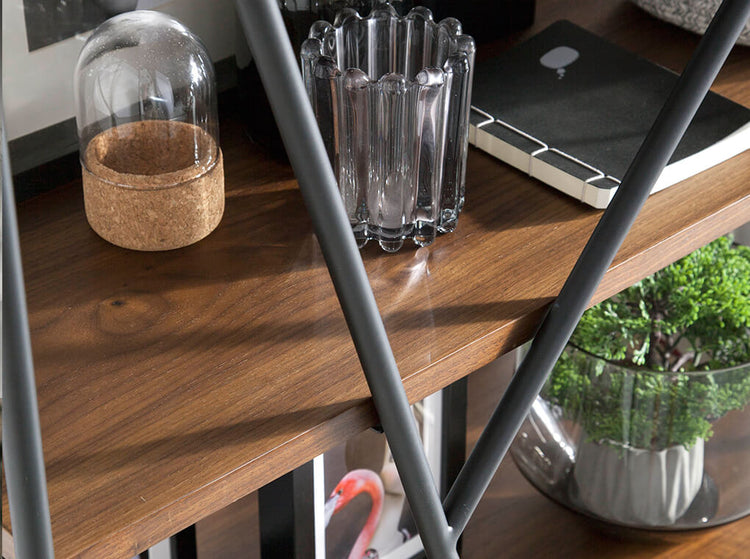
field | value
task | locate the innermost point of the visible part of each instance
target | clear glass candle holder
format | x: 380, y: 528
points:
x: 391, y: 97
x: 640, y: 449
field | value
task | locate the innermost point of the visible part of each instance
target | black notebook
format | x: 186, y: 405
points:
x: 572, y: 109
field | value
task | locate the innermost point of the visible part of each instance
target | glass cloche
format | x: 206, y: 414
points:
x: 149, y: 134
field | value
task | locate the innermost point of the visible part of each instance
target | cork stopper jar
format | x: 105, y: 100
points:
x: 148, y: 129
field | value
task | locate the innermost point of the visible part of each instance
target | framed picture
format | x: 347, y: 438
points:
x: 365, y: 511
x: 50, y: 21
x: 349, y: 502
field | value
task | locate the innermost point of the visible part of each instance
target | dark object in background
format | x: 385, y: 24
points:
x: 36, y: 180
x: 485, y: 20
x: 255, y: 110
x: 298, y: 20
x: 50, y: 21
x: 114, y: 7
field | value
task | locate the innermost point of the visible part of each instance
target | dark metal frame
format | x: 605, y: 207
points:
x: 440, y: 528
x: 184, y: 544
x: 23, y: 459
x: 286, y: 515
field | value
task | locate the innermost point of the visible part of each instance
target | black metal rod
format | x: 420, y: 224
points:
x: 595, y: 259
x: 184, y: 544
x: 265, y: 32
x: 22, y: 438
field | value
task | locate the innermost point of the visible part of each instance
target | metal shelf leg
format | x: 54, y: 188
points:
x: 22, y: 438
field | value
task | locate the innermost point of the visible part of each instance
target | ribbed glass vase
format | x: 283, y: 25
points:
x: 391, y: 97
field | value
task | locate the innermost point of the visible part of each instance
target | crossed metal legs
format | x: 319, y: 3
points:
x: 441, y: 527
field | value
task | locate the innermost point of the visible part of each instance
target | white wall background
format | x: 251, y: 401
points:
x: 38, y: 85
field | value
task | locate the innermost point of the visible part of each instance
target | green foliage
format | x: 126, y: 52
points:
x: 693, y: 315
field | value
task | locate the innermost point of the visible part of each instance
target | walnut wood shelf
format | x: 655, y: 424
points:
x: 172, y: 384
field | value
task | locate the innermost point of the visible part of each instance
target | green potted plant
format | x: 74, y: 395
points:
x: 645, y: 377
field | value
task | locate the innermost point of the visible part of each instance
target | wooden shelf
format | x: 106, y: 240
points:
x: 172, y: 384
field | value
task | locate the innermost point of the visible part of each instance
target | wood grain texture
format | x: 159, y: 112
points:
x: 514, y: 519
x: 173, y: 384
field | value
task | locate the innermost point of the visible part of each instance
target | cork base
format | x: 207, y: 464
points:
x: 143, y: 189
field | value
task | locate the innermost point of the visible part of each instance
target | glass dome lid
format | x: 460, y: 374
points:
x: 147, y: 117
x: 146, y: 66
